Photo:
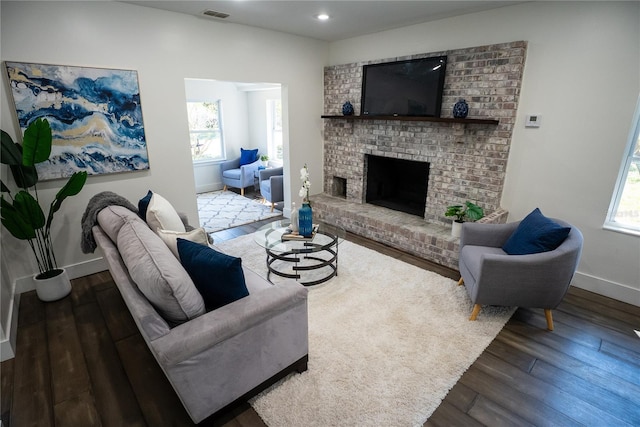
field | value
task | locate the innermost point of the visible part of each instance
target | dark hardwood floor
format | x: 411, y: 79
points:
x: 81, y: 362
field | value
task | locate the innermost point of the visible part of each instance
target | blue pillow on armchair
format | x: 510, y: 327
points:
x: 248, y: 156
x: 536, y: 233
x: 218, y: 277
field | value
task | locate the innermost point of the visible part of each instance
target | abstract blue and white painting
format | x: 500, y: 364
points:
x: 94, y: 113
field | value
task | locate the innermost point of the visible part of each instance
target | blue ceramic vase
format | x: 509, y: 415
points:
x: 347, y: 109
x: 305, y: 220
x: 460, y: 109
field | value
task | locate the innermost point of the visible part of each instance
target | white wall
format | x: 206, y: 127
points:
x: 165, y: 48
x: 582, y: 76
x: 257, y: 103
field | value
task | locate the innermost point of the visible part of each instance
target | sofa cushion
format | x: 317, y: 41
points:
x: 143, y: 205
x: 218, y: 277
x: 248, y: 156
x: 162, y: 216
x: 197, y: 235
x: 158, y: 274
x: 536, y: 233
x: 113, y: 217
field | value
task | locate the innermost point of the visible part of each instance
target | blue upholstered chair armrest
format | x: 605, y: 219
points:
x: 267, y: 173
x: 230, y: 164
x: 492, y: 235
x: 277, y: 188
x: 248, y: 171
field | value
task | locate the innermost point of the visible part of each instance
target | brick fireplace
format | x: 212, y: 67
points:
x: 467, y: 161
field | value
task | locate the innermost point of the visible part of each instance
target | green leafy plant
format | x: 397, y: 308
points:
x: 21, y: 213
x: 468, y: 210
x: 264, y: 157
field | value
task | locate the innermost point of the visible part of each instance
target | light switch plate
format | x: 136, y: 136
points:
x: 533, y: 121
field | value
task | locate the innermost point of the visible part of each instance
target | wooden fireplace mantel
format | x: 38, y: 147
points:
x: 417, y: 119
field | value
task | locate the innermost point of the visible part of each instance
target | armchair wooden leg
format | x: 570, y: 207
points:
x: 225, y: 188
x: 474, y: 313
x: 547, y: 314
x: 461, y: 281
x: 242, y: 191
x: 272, y: 205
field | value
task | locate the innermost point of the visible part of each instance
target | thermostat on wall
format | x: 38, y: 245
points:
x: 533, y: 121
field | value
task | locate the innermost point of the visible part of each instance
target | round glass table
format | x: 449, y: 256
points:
x: 310, y: 261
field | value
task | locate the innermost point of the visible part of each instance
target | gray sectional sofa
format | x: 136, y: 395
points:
x: 214, y: 360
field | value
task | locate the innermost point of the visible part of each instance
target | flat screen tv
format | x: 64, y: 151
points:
x: 404, y: 88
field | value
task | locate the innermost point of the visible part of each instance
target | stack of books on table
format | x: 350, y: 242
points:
x: 294, y: 235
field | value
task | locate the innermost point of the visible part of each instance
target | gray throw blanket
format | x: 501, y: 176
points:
x: 90, y: 217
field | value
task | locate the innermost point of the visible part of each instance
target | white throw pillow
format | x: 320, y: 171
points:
x: 162, y: 216
x: 170, y: 238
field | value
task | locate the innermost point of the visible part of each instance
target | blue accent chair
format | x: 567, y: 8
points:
x: 236, y: 176
x: 271, y: 185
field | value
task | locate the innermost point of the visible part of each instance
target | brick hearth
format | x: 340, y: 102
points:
x: 396, y: 229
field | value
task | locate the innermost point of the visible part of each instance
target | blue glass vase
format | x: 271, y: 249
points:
x: 305, y: 220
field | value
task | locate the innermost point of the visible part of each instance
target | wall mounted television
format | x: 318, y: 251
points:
x: 403, y: 88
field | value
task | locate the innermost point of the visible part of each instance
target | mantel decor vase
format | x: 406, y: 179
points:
x: 305, y: 220
x: 53, y: 287
x: 461, y: 109
x: 347, y: 109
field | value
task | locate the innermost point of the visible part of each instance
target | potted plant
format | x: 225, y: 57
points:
x: 264, y: 159
x: 22, y: 215
x: 460, y: 212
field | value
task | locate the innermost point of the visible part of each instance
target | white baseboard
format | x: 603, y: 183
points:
x: 212, y: 186
x: 610, y: 289
x: 8, y: 344
x: 26, y: 283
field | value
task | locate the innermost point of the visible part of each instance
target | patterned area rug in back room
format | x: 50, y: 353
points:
x: 219, y: 210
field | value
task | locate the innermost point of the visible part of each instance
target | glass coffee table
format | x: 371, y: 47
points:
x: 310, y: 261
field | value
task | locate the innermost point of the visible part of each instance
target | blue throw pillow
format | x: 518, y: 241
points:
x: 535, y: 233
x: 218, y: 277
x: 248, y: 156
x: 143, y: 205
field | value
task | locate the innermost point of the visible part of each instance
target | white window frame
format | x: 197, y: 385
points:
x: 628, y: 159
x: 271, y: 130
x: 223, y: 148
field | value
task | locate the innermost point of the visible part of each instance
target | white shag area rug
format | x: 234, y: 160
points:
x: 219, y: 210
x: 387, y: 341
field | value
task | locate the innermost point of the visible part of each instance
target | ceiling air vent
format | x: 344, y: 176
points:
x: 214, y: 14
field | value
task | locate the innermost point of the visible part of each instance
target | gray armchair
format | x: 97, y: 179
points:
x: 234, y: 175
x: 271, y: 185
x: 492, y: 277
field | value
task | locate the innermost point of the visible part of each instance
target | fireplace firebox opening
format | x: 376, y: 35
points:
x: 339, y: 187
x: 397, y: 184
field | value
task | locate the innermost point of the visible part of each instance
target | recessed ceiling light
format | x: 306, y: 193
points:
x: 323, y: 17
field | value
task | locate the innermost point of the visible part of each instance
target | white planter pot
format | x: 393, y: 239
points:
x: 53, y: 288
x: 456, y: 228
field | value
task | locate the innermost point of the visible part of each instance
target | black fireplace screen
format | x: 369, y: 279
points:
x: 397, y: 184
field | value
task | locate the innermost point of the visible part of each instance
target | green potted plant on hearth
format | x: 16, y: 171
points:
x: 21, y: 213
x: 469, y: 211
x: 265, y: 160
